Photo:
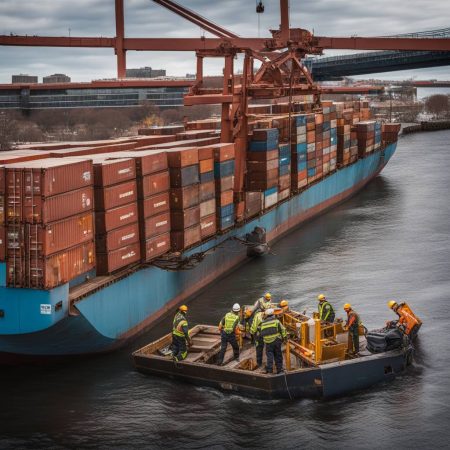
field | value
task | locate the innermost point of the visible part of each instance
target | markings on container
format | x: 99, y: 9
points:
x: 122, y: 171
x: 206, y: 225
x: 161, y: 244
x: 128, y: 236
x: 126, y: 216
x: 129, y: 255
x: 158, y: 204
x: 86, y: 176
x: 160, y: 224
x: 46, y: 308
x: 126, y: 194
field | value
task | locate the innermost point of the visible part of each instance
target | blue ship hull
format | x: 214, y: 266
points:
x: 32, y: 328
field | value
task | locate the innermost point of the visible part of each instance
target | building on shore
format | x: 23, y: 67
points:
x: 56, y: 78
x: 145, y: 72
x: 24, y: 78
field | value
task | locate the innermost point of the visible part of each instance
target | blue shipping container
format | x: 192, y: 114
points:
x: 300, y: 120
x: 284, y: 161
x: 311, y: 172
x: 225, y: 211
x: 206, y: 177
x: 301, y: 157
x: 271, y: 133
x: 224, y: 169
x: 333, y: 140
x: 270, y: 191
x: 326, y: 126
x: 263, y: 146
x: 225, y: 222
x: 301, y: 166
x: 284, y: 170
x: 285, y: 150
x: 302, y: 148
x: 2, y: 274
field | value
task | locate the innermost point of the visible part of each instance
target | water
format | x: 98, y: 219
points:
x: 391, y: 241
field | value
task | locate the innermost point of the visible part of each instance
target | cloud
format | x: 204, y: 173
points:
x: 146, y: 19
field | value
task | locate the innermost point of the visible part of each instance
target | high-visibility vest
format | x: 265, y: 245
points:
x: 263, y: 304
x: 229, y: 322
x: 256, y: 322
x: 179, y: 325
x: 272, y: 329
x: 326, y: 311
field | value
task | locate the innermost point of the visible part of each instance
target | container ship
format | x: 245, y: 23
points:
x: 100, y: 239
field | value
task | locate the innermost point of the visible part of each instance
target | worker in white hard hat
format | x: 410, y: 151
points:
x: 229, y: 327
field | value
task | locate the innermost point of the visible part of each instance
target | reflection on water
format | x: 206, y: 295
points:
x: 390, y: 241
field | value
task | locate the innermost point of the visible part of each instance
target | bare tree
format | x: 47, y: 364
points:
x: 7, y: 131
x: 437, y: 104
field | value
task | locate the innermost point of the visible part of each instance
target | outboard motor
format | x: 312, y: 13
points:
x: 256, y: 242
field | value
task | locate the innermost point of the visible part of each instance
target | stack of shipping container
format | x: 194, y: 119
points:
x: 184, y: 197
x: 299, y: 147
x: 207, y: 192
x: 49, y: 222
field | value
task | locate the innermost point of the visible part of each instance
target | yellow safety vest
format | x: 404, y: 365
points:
x: 256, y: 322
x: 325, y: 310
x: 229, y: 322
x: 272, y: 329
x: 179, y: 322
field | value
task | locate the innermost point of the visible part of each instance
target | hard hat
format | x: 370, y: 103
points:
x: 268, y: 296
x: 236, y: 307
x: 347, y: 306
x: 248, y: 313
x: 269, y: 312
x: 284, y: 303
x: 321, y: 297
x: 391, y: 303
x: 183, y: 308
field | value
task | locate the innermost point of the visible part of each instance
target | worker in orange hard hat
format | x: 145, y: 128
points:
x: 352, y: 326
x: 180, y: 334
x: 407, y: 322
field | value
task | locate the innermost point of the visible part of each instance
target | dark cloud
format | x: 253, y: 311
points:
x: 145, y: 18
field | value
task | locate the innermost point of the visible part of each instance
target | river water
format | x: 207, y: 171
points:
x: 390, y: 241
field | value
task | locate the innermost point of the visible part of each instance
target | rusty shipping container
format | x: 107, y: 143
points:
x: 155, y: 204
x: 36, y: 209
x: 153, y: 184
x: 156, y: 246
x: 156, y: 225
x: 118, y: 259
x: 45, y: 240
x: 117, y: 195
x: 224, y: 184
x: 184, y: 176
x: 182, y: 157
x: 183, y: 198
x: 184, y: 239
x: 207, y: 191
x: 115, y: 239
x: 115, y: 218
x: 59, y: 268
x: 208, y: 226
x: 147, y: 161
x: 49, y: 177
x: 107, y: 173
x: 180, y: 220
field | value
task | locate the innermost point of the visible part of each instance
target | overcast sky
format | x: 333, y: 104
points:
x: 143, y: 18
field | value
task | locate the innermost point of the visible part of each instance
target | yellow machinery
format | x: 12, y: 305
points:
x: 315, y: 342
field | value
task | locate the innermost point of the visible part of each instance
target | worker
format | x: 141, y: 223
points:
x: 352, y: 326
x: 407, y: 322
x: 326, y: 311
x: 180, y: 334
x: 263, y: 303
x: 284, y: 305
x: 229, y: 327
x: 256, y: 336
x: 273, y: 333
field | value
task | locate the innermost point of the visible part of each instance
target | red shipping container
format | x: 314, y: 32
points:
x: 263, y: 156
x: 182, y: 157
x: 17, y: 156
x: 117, y: 259
x: 50, y: 176
x: 2, y: 180
x: 224, y: 198
x: 156, y: 225
x: 224, y: 184
x: 262, y: 166
x: 253, y: 204
x: 260, y: 176
x: 208, y: 226
x: 58, y: 236
x: 184, y: 239
x: 118, y: 238
x: 208, y: 207
x: 180, y: 220
x: 154, y: 184
x: 205, y: 153
x: 207, y: 191
x: 107, y: 173
x: 149, y: 161
x: 45, y: 210
x: 116, y: 217
x: 156, y: 246
x: 182, y: 198
x: 223, y: 152
x: 52, y: 271
x: 155, y: 204
x: 113, y: 196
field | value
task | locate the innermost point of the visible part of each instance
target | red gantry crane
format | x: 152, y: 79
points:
x: 281, y: 72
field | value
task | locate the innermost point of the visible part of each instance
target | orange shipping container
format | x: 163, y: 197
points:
x: 224, y: 198
x: 208, y: 226
x: 156, y: 246
x: 156, y: 225
x: 117, y: 259
x: 114, y: 196
x: 206, y: 165
x: 115, y: 239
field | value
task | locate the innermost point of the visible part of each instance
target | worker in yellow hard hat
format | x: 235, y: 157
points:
x: 352, y: 325
x: 407, y: 322
x: 180, y: 334
x: 284, y: 305
x: 326, y: 311
x: 263, y: 303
